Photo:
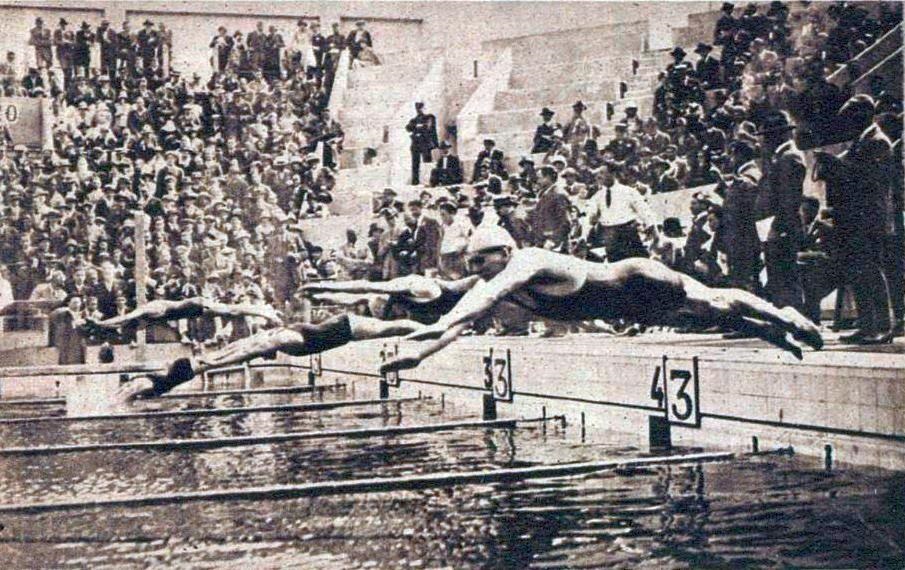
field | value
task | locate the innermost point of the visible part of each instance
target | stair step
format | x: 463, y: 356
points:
x: 514, y: 99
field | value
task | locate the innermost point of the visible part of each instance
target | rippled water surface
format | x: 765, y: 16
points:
x: 763, y: 512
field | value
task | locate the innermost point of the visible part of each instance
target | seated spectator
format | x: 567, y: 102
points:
x: 448, y: 170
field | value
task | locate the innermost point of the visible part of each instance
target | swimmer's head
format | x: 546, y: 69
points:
x: 489, y: 250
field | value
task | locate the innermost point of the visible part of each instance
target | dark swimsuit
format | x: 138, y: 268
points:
x: 426, y: 313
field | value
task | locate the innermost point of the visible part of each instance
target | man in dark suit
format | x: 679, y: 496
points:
x: 448, y: 169
x: 422, y: 129
x: 147, y: 48
x: 549, y: 220
x: 125, y: 50
x: 547, y: 134
x: 106, y: 38
x: 483, y: 159
x: 255, y: 45
x: 223, y: 44
x: 707, y: 69
x: 516, y: 225
x: 42, y: 41
x: 358, y: 38
x: 64, y: 40
x: 426, y: 238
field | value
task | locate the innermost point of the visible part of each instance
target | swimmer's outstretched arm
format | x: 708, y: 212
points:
x: 413, y: 285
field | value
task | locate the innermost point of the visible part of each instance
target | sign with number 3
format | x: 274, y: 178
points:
x: 677, y: 392
x: 498, y: 376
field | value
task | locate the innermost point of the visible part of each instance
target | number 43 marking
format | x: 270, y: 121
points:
x: 677, y: 393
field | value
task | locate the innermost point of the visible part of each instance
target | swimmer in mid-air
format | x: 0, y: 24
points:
x: 415, y: 300
x: 564, y: 288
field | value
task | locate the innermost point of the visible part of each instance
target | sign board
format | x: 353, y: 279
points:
x: 23, y: 117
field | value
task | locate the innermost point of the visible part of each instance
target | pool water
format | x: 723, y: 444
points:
x: 759, y: 512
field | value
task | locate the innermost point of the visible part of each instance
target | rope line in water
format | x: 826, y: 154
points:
x: 372, y: 485
x: 210, y: 412
x: 211, y: 443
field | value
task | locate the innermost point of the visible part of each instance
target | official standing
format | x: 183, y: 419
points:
x: 426, y: 237
x: 738, y: 223
x: 422, y: 129
x: 148, y: 42
x: 785, y: 172
x: 619, y: 210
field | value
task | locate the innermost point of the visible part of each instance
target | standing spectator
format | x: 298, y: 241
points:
x: 81, y: 52
x: 106, y: 39
x: 164, y: 49
x: 737, y: 222
x: 148, y: 44
x: 422, y: 129
x: 222, y: 46
x: 548, y: 134
x: 707, y: 68
x: 549, y: 220
x: 125, y: 51
x: 448, y: 170
x: 64, y: 40
x: 273, y: 54
x: 318, y: 46
x: 577, y: 130
x: 41, y: 39
x: 427, y: 236
x: 335, y: 43
x: 358, y: 38
x: 298, y: 45
x: 254, y: 43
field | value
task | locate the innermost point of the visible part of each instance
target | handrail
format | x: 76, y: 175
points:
x: 845, y: 71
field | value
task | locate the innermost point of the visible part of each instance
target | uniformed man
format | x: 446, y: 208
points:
x: 548, y: 134
x: 422, y: 129
x: 707, y: 68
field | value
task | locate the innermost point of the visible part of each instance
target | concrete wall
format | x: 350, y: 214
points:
x: 396, y: 26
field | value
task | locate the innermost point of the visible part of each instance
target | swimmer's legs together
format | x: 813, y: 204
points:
x: 728, y: 306
x: 297, y: 340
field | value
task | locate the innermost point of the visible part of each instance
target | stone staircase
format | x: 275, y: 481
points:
x: 557, y: 86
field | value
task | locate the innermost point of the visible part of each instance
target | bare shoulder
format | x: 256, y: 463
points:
x: 539, y: 260
x: 421, y: 287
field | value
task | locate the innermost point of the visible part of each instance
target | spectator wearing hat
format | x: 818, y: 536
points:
x: 737, y: 221
x: 550, y: 219
x: 272, y: 49
x: 482, y: 162
x: 509, y: 219
x: 527, y: 174
x: 41, y: 39
x: 726, y: 26
x: 64, y: 41
x: 577, y: 130
x: 707, y: 68
x: 548, y: 135
x: 126, y: 44
x: 81, y: 50
x: 426, y: 237
x: 106, y: 39
x: 358, y: 39
x: 148, y: 43
x: 222, y: 45
x: 784, y: 172
x: 448, y: 170
x: 422, y: 130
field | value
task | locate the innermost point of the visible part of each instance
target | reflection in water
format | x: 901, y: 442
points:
x: 766, y: 512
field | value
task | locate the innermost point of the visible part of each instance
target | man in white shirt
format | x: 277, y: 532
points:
x: 6, y: 288
x: 619, y: 210
x: 454, y: 241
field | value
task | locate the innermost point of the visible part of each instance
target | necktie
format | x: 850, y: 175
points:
x: 609, y: 197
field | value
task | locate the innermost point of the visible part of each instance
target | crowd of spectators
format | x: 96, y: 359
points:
x: 736, y: 125
x: 223, y: 168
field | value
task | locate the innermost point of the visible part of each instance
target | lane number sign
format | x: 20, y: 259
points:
x: 387, y: 353
x: 498, y: 375
x: 676, y: 390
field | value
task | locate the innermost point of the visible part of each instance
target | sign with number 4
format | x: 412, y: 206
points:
x: 316, y: 365
x: 677, y: 392
x: 498, y: 376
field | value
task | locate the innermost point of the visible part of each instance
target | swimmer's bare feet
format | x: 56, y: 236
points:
x: 806, y: 331
x: 134, y: 389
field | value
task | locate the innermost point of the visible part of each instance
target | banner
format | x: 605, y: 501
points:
x: 23, y: 117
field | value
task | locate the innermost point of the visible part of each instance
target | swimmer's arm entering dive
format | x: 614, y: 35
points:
x: 412, y: 285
